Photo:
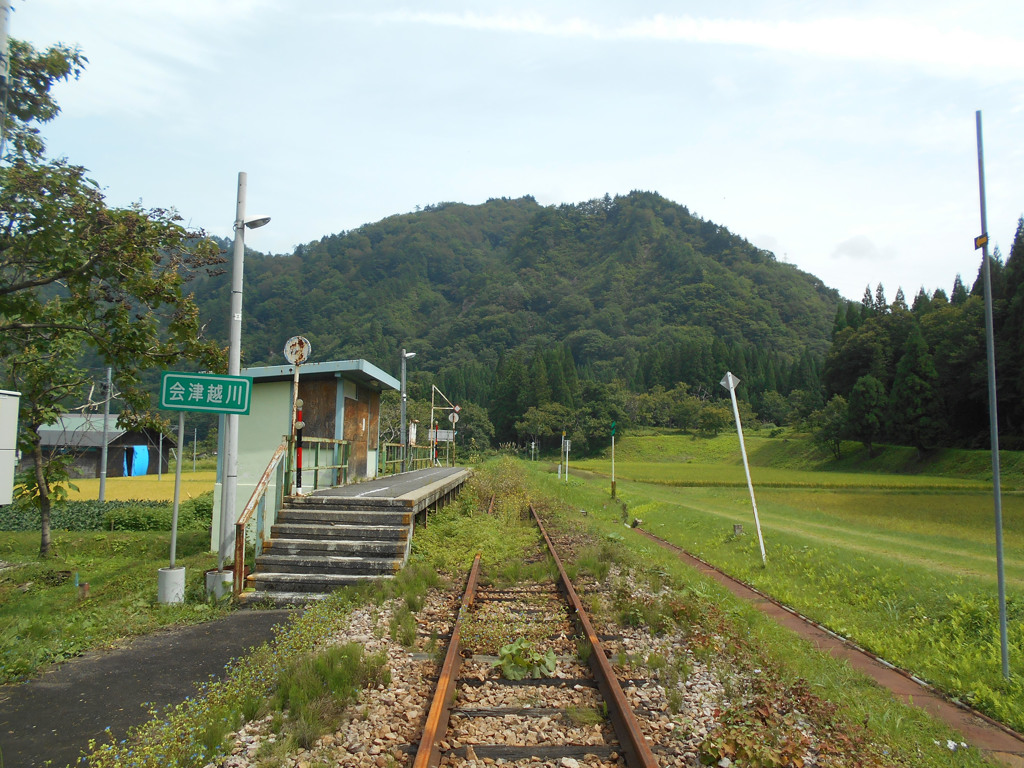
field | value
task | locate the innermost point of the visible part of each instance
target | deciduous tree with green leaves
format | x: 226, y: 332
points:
x: 79, y: 276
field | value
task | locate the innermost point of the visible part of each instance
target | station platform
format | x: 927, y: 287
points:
x: 416, y: 490
x: 346, y: 535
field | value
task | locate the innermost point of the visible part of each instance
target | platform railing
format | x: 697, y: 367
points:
x: 391, y: 458
x: 282, y: 467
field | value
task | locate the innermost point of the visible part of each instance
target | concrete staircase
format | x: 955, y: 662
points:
x: 321, y: 543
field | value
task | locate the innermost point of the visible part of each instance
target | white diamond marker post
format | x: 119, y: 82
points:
x: 730, y: 382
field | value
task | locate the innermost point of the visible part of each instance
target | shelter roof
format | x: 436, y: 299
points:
x: 360, y: 371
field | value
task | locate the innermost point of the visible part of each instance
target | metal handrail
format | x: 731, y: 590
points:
x: 250, y: 507
x: 340, y: 460
x: 391, y: 458
x: 286, y: 450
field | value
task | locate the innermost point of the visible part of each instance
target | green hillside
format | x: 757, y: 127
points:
x: 639, y: 289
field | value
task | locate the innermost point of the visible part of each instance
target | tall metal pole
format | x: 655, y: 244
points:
x: 227, y: 506
x: 103, y: 447
x: 405, y: 449
x: 993, y: 419
x: 5, y: 70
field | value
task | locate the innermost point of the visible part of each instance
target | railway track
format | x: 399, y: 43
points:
x: 576, y: 712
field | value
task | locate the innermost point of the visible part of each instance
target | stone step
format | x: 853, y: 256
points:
x: 319, y: 547
x: 310, y: 582
x: 349, y: 516
x: 333, y: 564
x: 339, y: 531
x: 358, y: 503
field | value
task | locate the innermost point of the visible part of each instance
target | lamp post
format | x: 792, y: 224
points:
x: 227, y: 506
x: 405, y: 447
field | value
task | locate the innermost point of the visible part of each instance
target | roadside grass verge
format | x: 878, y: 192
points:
x: 909, y: 736
x: 43, y: 618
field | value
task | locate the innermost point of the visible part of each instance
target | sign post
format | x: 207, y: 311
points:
x: 730, y: 382
x: 296, y: 351
x: 209, y: 393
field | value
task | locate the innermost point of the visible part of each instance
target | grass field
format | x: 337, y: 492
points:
x: 902, y: 563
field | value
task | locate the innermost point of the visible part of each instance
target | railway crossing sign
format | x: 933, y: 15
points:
x: 206, y: 392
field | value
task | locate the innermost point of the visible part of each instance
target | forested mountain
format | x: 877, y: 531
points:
x: 632, y: 289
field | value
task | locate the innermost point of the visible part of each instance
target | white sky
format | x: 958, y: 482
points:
x: 839, y: 135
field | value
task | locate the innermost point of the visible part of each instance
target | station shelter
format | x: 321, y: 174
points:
x: 341, y: 401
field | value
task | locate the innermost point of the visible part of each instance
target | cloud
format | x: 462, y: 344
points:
x: 861, y: 248
x: 951, y: 49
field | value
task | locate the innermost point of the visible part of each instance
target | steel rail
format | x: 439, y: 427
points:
x: 428, y: 754
x: 637, y: 750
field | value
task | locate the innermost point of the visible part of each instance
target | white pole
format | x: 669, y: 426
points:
x: 227, y: 506
x: 730, y: 382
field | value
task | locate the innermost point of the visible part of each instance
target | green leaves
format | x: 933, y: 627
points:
x: 520, y: 659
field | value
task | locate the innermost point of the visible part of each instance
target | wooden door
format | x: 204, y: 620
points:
x: 356, y: 426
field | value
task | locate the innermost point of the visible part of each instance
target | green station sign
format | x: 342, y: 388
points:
x: 207, y: 392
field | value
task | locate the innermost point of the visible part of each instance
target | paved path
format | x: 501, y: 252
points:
x: 53, y: 717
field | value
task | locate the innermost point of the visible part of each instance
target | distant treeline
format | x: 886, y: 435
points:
x: 917, y: 375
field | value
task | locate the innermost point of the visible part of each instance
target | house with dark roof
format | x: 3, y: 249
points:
x: 129, y: 453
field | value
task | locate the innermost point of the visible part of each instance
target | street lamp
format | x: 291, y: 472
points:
x: 228, y: 492
x: 405, y: 449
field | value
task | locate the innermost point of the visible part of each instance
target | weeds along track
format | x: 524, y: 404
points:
x: 500, y: 698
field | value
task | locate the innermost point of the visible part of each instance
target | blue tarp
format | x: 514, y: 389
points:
x: 136, y: 460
